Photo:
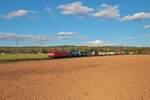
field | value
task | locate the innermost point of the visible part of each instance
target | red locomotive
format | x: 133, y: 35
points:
x: 56, y: 54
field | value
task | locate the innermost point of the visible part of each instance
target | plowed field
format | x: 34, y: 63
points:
x: 87, y: 78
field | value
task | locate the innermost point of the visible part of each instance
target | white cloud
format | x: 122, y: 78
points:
x: 99, y: 43
x: 70, y: 35
x: 82, y: 37
x: 137, y: 16
x: 96, y: 42
x: 18, y: 13
x: 107, y: 11
x: 64, y: 35
x: 26, y: 37
x: 14, y: 36
x: 127, y: 38
x: 75, y: 8
x: 144, y: 35
x: 147, y: 26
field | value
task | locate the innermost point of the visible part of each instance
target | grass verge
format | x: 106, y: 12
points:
x: 20, y: 57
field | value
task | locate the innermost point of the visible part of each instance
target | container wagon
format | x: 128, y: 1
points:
x: 74, y: 54
x: 84, y: 53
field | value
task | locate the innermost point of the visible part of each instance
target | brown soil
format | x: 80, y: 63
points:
x: 91, y: 78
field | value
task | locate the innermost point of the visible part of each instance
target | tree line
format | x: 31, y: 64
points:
x: 38, y: 49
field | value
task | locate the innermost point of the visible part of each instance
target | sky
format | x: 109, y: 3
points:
x: 75, y: 22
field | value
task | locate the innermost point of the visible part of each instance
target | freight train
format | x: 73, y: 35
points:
x: 58, y: 54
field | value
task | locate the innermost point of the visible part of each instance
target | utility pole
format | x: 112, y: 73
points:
x: 41, y: 46
x: 17, y: 45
